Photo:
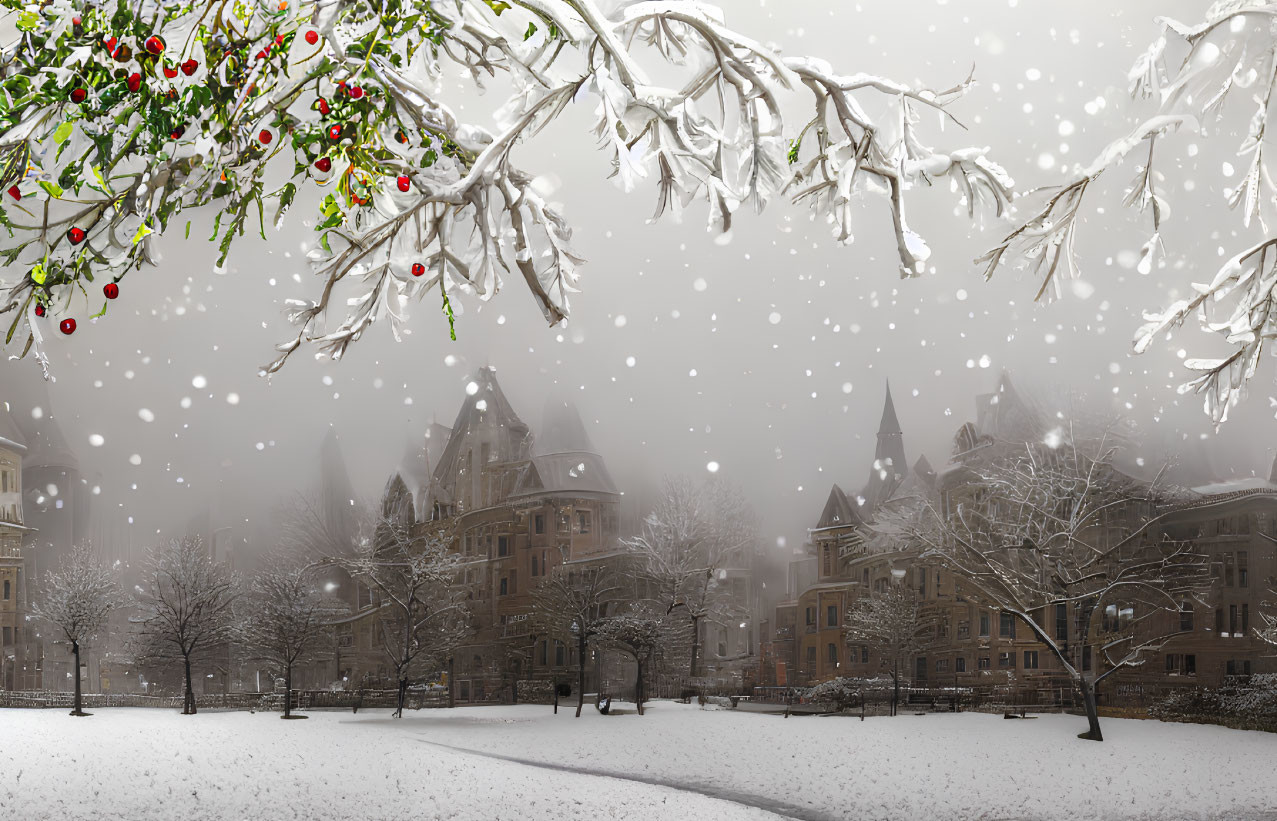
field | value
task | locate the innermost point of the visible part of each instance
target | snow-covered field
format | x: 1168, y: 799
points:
x: 676, y: 762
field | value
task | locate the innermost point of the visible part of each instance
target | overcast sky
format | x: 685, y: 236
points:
x: 767, y: 354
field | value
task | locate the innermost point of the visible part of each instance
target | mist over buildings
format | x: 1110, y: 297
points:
x: 767, y: 354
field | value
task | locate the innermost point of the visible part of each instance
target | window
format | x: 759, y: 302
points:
x: 984, y: 624
x: 811, y: 657
x: 831, y: 653
x: 1238, y: 668
x: 942, y: 665
x: 831, y: 616
x: 503, y: 545
x: 1190, y: 665
x: 1243, y: 577
x: 811, y: 615
x: 827, y: 560
x: 982, y: 663
x: 864, y: 654
x: 1177, y: 664
x: 1228, y: 569
x: 1006, y: 660
x: 545, y: 643
x: 1185, y: 617
x: 538, y: 523
x: 964, y: 629
x: 583, y: 522
x: 1006, y: 625
x: 937, y: 582
x: 960, y: 664
x: 1245, y: 619
x: 8, y: 637
x: 922, y: 583
x: 1030, y: 659
x: 1232, y: 619
x: 505, y: 586
x: 6, y: 589
x: 345, y: 636
x: 534, y: 565
x: 1062, y: 622
x: 560, y: 650
x: 1219, y: 620
x: 865, y: 577
x: 920, y: 669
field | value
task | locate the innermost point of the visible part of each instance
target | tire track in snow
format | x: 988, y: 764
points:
x: 743, y: 799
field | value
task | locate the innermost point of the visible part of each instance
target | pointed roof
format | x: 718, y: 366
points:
x: 10, y: 435
x: 1006, y: 415
x: 48, y: 446
x: 562, y: 430
x: 889, y: 423
x: 485, y: 405
x: 576, y: 472
x: 838, y: 511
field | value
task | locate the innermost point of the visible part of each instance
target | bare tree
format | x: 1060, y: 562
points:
x: 638, y: 631
x: 1036, y: 527
x: 77, y: 600
x: 187, y: 607
x: 893, y: 624
x: 1191, y: 72
x: 414, y: 575
x: 574, y: 601
x: 288, y: 621
x: 689, y: 540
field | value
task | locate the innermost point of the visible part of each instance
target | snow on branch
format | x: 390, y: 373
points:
x: 115, y: 124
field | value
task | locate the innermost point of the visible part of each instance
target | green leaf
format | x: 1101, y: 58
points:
x: 142, y: 231
x: 532, y: 29
x: 497, y: 6
x: 38, y: 275
x: 28, y: 21
x: 794, y: 147
x: 188, y: 229
x: 62, y: 133
x: 54, y: 190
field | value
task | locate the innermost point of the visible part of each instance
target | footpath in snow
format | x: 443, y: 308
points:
x: 676, y: 762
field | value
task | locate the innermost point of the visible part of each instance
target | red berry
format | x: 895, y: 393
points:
x: 324, y: 165
x: 111, y: 290
x: 39, y: 309
x: 356, y: 92
x: 261, y: 55
x: 188, y: 68
x: 78, y: 95
x: 14, y: 192
x: 418, y: 269
x: 312, y: 37
x: 109, y: 43
x: 404, y: 183
x: 178, y: 132
x: 75, y: 21
x: 279, y: 39
x: 135, y: 81
x: 76, y: 235
x: 170, y: 72
x: 334, y: 133
x: 323, y: 107
x: 264, y: 136
x: 153, y: 45
x: 67, y: 326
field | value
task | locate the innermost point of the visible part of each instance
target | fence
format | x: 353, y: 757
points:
x: 301, y: 700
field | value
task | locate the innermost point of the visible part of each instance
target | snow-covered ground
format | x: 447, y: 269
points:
x: 510, y: 762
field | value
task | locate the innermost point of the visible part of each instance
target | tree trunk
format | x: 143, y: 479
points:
x: 452, y: 693
x: 696, y: 644
x: 403, y: 697
x: 638, y: 687
x: 188, y: 705
x: 580, y: 675
x: 895, y: 688
x: 556, y: 695
x: 288, y: 690
x: 1092, y: 715
x: 78, y: 710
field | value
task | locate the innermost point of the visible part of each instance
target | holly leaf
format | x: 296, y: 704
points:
x: 142, y: 231
x: 28, y: 21
x: 38, y: 275
x: 54, y: 190
x: 62, y: 133
x: 497, y: 6
x: 532, y: 29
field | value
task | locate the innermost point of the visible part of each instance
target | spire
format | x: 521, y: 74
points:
x: 562, y: 430
x: 889, y: 423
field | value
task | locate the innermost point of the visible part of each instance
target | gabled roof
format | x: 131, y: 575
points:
x: 486, y: 406
x: 838, y: 512
x: 1006, y: 415
x: 576, y: 472
x: 10, y: 436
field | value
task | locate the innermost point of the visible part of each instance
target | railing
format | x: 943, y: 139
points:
x: 301, y: 700
x: 10, y: 552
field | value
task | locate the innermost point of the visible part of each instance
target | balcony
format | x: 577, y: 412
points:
x: 10, y: 552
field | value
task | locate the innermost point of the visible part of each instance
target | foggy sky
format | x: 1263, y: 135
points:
x: 714, y: 379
